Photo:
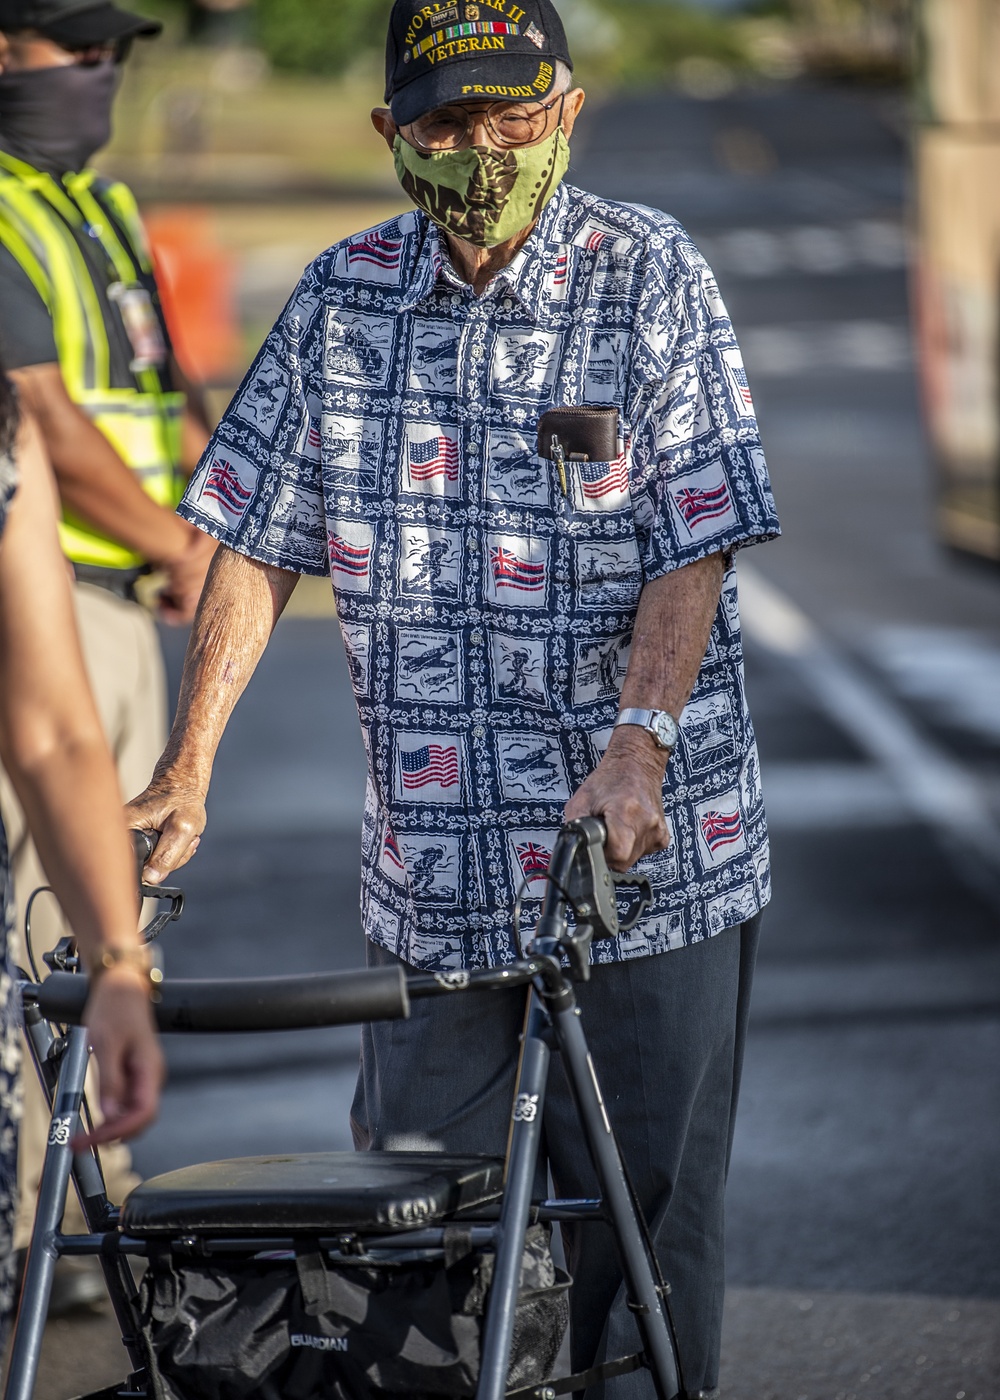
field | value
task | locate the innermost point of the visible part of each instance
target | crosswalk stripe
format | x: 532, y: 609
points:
x: 864, y: 346
x: 935, y: 788
x: 816, y: 250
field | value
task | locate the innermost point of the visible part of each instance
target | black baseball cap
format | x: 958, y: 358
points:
x: 76, y: 24
x: 452, y: 51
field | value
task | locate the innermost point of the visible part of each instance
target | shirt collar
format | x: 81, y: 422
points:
x: 522, y: 278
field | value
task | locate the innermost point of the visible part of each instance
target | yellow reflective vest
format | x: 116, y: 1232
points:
x: 38, y: 215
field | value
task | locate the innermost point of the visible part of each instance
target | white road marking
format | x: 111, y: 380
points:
x: 954, y: 673
x: 775, y: 351
x: 933, y: 786
x: 819, y: 250
x: 829, y: 796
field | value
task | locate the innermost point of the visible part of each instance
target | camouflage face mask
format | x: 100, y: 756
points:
x: 479, y: 194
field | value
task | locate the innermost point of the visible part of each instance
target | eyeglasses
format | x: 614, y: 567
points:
x: 509, y: 123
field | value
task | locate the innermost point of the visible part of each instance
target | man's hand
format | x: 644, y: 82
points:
x: 178, y: 599
x: 177, y: 811
x: 626, y: 789
x: 129, y: 1060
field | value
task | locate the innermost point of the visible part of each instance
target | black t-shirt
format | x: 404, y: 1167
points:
x: 26, y: 334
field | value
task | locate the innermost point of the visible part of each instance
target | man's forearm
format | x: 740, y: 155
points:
x: 240, y: 605
x: 671, y: 634
x: 669, y: 642
x: 94, y: 483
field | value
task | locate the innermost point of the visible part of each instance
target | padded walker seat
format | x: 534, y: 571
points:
x: 326, y: 1191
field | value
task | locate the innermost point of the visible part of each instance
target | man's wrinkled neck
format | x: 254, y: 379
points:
x: 478, y: 266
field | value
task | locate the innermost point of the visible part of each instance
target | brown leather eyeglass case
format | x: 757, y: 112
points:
x: 588, y: 434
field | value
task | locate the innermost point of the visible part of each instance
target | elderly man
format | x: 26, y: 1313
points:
x: 529, y: 599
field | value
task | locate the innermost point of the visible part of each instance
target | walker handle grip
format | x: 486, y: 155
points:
x: 251, y: 1004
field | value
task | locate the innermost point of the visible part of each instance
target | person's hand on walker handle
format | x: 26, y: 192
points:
x: 176, y: 812
x: 626, y: 789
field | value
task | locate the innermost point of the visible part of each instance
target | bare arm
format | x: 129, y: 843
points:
x: 668, y: 646
x: 95, y: 484
x: 59, y: 764
x: 238, y: 611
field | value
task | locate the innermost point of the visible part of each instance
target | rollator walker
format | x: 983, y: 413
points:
x: 348, y: 1209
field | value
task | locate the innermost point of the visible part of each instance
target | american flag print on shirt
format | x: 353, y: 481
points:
x: 488, y: 604
x: 223, y: 484
x: 733, y: 361
x: 601, y: 479
x: 437, y: 457
x: 434, y: 763
x: 380, y: 252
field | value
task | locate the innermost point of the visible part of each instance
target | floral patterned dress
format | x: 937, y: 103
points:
x: 9, y: 1040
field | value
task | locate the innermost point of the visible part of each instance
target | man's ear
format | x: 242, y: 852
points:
x: 385, y: 126
x: 4, y: 50
x: 575, y: 99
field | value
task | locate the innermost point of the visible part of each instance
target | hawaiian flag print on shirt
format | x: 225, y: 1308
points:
x: 697, y: 506
x: 223, y: 484
x: 595, y: 240
x: 437, y: 457
x: 348, y: 558
x: 390, y: 849
x: 533, y: 859
x: 721, y: 829
x: 381, y: 252
x: 434, y: 763
x: 313, y: 438
x: 600, y: 479
x: 511, y: 572
x: 562, y: 270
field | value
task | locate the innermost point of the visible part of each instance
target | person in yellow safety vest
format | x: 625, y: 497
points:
x: 82, y: 332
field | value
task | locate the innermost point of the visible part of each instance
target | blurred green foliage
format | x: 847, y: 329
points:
x: 616, y: 39
x: 320, y: 36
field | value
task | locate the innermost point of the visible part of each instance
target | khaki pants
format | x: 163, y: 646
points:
x: 122, y: 653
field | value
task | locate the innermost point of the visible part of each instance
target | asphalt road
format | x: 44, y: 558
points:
x: 864, y: 1181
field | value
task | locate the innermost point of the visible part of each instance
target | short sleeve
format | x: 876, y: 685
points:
x: 258, y: 487
x: 699, y: 480
x: 26, y: 334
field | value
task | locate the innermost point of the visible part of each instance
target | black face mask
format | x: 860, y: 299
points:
x: 56, y: 118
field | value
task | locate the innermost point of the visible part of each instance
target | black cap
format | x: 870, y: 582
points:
x: 450, y: 51
x: 77, y: 24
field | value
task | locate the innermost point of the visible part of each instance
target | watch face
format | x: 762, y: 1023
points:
x: 665, y: 730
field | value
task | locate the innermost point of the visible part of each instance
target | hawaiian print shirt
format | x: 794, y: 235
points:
x: 386, y: 436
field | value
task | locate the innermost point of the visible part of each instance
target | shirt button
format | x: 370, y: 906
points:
x: 476, y: 639
x: 479, y: 732
x: 477, y: 352
x: 473, y: 546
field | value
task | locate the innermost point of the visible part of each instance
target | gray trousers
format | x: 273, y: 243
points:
x: 667, y: 1035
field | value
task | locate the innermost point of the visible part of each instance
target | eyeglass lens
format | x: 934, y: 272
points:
x: 512, y: 124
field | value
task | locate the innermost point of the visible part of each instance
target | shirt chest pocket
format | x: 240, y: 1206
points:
x: 598, y: 553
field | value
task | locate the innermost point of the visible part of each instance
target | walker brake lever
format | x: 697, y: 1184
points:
x: 624, y: 881
x: 159, y: 922
x: 143, y: 845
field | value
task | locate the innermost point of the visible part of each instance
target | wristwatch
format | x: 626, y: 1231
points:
x: 659, y: 723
